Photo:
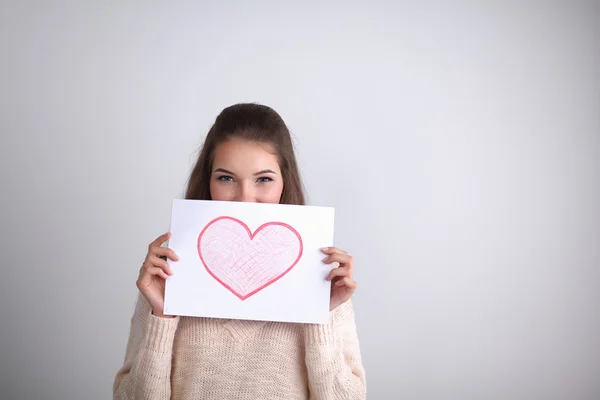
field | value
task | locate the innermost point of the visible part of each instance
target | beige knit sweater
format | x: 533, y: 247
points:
x: 209, y: 358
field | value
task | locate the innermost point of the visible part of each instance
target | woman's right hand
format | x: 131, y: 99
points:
x: 154, y: 272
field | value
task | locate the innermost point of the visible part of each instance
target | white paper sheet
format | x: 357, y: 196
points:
x: 249, y: 261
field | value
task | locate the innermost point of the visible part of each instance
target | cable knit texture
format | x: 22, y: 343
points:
x: 210, y: 358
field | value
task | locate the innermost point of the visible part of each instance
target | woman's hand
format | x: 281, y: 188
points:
x: 342, y: 284
x: 154, y: 272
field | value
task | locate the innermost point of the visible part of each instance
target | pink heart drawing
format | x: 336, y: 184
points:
x: 246, y: 262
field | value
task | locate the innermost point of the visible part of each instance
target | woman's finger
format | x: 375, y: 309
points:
x: 332, y: 250
x: 154, y: 261
x: 159, y: 240
x: 348, y: 282
x: 165, y: 252
x: 342, y: 258
x: 157, y: 271
x: 342, y: 271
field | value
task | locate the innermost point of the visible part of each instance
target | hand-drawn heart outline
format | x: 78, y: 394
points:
x: 251, y: 236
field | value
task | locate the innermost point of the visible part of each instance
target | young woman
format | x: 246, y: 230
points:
x: 247, y: 156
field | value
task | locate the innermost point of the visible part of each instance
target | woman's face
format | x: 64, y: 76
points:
x: 245, y: 171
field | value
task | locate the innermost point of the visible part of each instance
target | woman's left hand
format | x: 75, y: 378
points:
x: 342, y: 283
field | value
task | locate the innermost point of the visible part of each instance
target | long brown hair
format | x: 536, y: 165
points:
x: 253, y: 122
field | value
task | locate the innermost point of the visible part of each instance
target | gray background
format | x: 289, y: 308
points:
x: 459, y: 143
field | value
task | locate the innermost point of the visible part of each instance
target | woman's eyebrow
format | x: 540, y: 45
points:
x: 224, y: 171
x: 265, y: 171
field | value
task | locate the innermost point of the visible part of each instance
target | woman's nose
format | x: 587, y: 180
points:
x: 245, y: 194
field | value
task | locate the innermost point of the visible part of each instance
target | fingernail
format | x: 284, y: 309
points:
x: 339, y: 283
x: 324, y: 248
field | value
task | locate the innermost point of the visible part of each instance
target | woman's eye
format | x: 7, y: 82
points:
x: 225, y: 178
x: 265, y: 179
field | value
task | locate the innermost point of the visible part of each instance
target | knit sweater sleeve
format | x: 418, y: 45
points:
x: 146, y: 370
x: 333, y: 358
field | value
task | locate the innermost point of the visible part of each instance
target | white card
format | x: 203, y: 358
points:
x: 254, y: 261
